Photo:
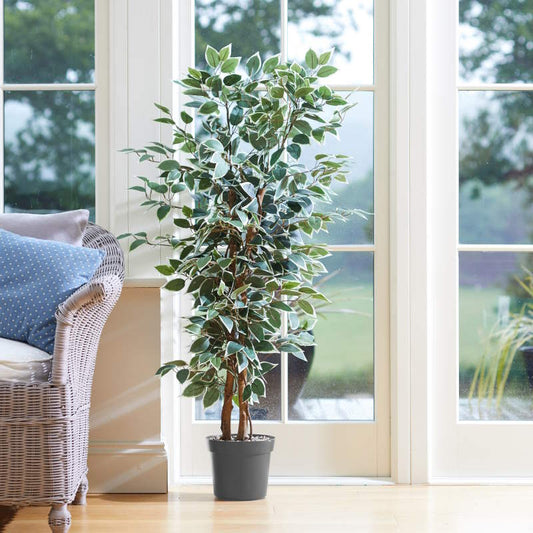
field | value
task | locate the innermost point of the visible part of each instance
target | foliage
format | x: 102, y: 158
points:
x: 50, y: 162
x: 498, y: 150
x: 501, y: 346
x: 243, y: 258
x: 255, y: 24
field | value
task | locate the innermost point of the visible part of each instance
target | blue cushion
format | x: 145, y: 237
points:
x: 35, y: 277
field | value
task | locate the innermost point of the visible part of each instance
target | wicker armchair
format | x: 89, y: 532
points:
x: 44, y: 427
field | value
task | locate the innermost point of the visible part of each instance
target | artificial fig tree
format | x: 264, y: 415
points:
x: 245, y: 254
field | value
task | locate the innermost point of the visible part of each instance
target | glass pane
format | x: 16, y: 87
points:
x: 49, y: 41
x: 496, y: 167
x: 495, y: 327
x: 495, y: 41
x: 345, y: 25
x: 338, y: 381
x: 269, y: 408
x: 356, y: 139
x: 49, y: 151
x: 250, y: 25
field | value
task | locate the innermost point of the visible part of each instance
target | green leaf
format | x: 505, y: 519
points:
x: 258, y: 387
x: 232, y: 79
x: 326, y: 70
x: 311, y: 59
x: 267, y: 367
x: 181, y: 223
x: 221, y: 169
x: 289, y: 348
x: 325, y: 57
x: 169, y: 164
x: 282, y: 306
x: 258, y: 331
x: 186, y: 117
x: 306, y: 307
x: 236, y: 115
x: 194, y: 73
x: 158, y: 187
x: 230, y: 64
x: 214, y: 144
x: 253, y: 64
x: 270, y: 64
x: 166, y: 270
x: 212, y: 57
x: 233, y: 347
x: 225, y: 262
x: 194, y: 389
x: 242, y: 361
x: 211, y: 396
x: 203, y: 261
x: 276, y: 92
x: 163, y: 211
x: 294, y: 150
x: 135, y: 244
x: 200, y: 345
x: 225, y: 52
x: 228, y: 323
x: 240, y: 290
x: 301, y: 139
x: 275, y: 156
x: 162, y: 108
x: 247, y: 393
x: 175, y: 285
x: 300, y: 355
x: 303, y: 126
x: 208, y: 108
x: 182, y: 375
x: 265, y: 347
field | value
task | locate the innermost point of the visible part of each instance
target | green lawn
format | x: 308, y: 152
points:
x: 344, y: 334
x: 344, y: 354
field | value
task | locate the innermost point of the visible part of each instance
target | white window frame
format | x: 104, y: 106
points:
x: 427, y: 443
x: 101, y: 91
x: 184, y: 27
x: 461, y: 451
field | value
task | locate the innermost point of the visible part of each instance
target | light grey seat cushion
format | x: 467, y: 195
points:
x: 20, y: 362
x: 68, y: 226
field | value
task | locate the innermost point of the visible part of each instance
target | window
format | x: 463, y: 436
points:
x: 495, y: 210
x: 347, y: 378
x: 48, y: 97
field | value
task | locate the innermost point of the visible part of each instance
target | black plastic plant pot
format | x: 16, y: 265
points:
x: 527, y: 354
x: 240, y: 468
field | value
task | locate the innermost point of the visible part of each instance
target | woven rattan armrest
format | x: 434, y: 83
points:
x: 80, y: 320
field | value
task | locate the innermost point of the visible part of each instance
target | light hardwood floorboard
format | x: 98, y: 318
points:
x: 192, y: 509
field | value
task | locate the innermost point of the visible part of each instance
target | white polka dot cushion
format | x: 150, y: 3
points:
x: 35, y: 277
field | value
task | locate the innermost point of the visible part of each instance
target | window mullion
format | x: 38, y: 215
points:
x: 48, y: 86
x: 284, y: 15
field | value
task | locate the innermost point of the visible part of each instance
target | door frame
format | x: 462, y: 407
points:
x: 397, y: 451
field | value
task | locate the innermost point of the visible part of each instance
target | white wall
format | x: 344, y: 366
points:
x: 126, y: 452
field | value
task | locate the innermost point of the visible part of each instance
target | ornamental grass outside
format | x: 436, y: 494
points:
x: 247, y: 249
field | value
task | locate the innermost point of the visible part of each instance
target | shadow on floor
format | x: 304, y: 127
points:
x: 6, y: 516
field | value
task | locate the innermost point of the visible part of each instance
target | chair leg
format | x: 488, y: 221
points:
x: 81, y: 495
x: 59, y: 518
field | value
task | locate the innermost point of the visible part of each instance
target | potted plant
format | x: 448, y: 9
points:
x: 242, y: 256
x: 504, y: 341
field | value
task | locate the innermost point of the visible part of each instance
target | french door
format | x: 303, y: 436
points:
x: 331, y: 417
x: 483, y: 220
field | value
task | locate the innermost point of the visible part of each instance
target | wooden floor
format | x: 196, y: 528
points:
x: 303, y: 509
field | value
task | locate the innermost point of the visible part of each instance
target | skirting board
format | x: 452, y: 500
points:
x: 127, y: 467
x: 289, y: 480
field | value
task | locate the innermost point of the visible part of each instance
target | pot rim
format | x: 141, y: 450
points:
x: 216, y: 438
